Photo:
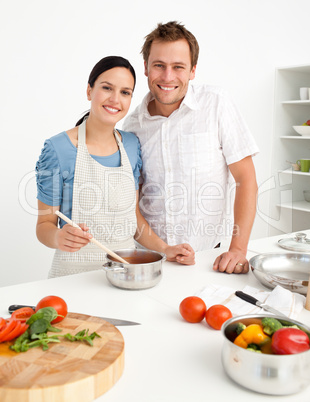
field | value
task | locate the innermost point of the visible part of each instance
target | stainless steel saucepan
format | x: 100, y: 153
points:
x: 143, y: 271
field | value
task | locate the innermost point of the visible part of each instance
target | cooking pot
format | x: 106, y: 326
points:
x: 143, y: 271
x: 264, y: 373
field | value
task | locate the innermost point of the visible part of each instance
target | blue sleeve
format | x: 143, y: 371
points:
x: 48, y: 176
x: 133, y: 148
x: 138, y: 167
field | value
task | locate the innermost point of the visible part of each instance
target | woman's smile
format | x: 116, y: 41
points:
x: 111, y: 109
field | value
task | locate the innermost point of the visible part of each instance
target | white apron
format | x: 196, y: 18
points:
x: 104, y: 198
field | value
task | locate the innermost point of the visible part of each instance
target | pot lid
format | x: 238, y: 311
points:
x: 299, y: 242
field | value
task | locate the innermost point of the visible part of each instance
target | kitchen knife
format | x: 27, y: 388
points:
x: 252, y: 300
x: 113, y: 321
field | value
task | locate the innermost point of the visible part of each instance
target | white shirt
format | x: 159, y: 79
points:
x: 188, y: 191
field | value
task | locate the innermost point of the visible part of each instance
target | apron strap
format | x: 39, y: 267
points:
x: 82, y: 133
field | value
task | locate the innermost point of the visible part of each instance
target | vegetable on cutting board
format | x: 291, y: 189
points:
x: 40, y: 324
x: 11, y: 329
x: 57, y: 303
x: 29, y: 328
x: 22, y: 314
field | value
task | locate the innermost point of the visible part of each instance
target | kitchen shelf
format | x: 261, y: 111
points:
x: 303, y: 206
x: 295, y: 137
x: 285, y: 214
x: 297, y: 102
x: 294, y: 172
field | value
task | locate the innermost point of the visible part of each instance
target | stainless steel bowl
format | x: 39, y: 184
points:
x: 264, y: 373
x: 143, y: 271
x: 289, y: 270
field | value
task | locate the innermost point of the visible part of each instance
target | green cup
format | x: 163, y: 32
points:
x: 304, y: 165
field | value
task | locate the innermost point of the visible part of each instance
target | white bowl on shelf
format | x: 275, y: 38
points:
x: 307, y: 195
x: 302, y: 130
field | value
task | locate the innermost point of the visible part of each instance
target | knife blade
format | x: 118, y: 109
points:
x: 114, y: 321
x: 253, y: 300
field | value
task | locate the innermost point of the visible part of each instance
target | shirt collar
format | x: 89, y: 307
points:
x: 189, y: 101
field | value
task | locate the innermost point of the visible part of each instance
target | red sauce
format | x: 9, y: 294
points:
x: 138, y: 259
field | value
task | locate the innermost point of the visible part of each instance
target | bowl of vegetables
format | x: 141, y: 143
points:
x: 303, y: 130
x: 267, y: 354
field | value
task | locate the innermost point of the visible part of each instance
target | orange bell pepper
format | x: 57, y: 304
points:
x: 253, y: 333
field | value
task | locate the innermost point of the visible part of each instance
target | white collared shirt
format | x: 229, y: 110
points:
x: 188, y: 191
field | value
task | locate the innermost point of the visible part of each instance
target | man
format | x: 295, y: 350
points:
x: 193, y: 141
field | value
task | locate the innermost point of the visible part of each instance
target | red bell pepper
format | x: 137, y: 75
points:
x: 288, y: 341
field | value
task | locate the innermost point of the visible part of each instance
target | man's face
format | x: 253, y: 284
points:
x: 169, y: 70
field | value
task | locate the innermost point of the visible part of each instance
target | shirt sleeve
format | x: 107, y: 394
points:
x: 133, y: 148
x: 138, y: 167
x: 48, y: 176
x: 236, y: 139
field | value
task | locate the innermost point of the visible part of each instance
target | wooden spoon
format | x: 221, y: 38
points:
x: 62, y: 216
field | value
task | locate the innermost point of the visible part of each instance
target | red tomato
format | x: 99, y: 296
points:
x: 59, y: 305
x: 193, y: 309
x: 11, y: 324
x: 22, y: 314
x: 216, y: 315
x: 13, y: 334
x: 2, y: 323
x: 18, y: 330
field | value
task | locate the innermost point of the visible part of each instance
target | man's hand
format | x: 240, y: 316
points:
x: 232, y: 262
x: 181, y: 253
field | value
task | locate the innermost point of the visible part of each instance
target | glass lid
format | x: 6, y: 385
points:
x: 299, y: 242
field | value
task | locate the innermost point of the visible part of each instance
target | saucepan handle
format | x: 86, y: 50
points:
x: 111, y: 267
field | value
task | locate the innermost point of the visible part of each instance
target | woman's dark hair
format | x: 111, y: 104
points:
x: 105, y: 64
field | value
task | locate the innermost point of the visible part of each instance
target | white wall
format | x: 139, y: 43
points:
x: 49, y: 47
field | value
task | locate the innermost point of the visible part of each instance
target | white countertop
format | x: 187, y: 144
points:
x: 270, y: 244
x: 166, y: 358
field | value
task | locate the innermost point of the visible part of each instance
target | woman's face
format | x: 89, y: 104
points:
x: 111, y: 95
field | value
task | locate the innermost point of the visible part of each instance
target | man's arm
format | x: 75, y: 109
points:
x: 181, y: 253
x: 234, y: 261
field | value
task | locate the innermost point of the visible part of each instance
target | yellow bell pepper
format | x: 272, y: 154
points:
x: 253, y: 333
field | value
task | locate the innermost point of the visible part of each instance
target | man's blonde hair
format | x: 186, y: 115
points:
x: 171, y: 32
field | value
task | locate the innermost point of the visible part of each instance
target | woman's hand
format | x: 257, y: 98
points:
x: 72, y: 239
x: 181, y: 253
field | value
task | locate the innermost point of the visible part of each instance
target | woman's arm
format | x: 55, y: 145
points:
x: 66, y: 239
x: 182, y: 253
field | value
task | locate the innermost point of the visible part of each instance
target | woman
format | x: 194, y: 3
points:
x: 91, y: 174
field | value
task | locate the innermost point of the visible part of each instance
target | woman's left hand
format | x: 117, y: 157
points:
x: 181, y: 253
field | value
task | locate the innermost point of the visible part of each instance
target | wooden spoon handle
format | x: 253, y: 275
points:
x: 110, y: 252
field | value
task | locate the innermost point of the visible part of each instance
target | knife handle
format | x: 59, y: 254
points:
x: 246, y: 297
x: 14, y: 307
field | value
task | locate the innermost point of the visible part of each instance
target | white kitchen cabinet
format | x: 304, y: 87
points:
x: 289, y: 212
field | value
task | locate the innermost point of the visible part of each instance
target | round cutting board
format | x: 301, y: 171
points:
x: 72, y: 371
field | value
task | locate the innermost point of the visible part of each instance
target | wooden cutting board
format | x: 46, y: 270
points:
x: 67, y: 371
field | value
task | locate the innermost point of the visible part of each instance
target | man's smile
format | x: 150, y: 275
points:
x: 164, y: 88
